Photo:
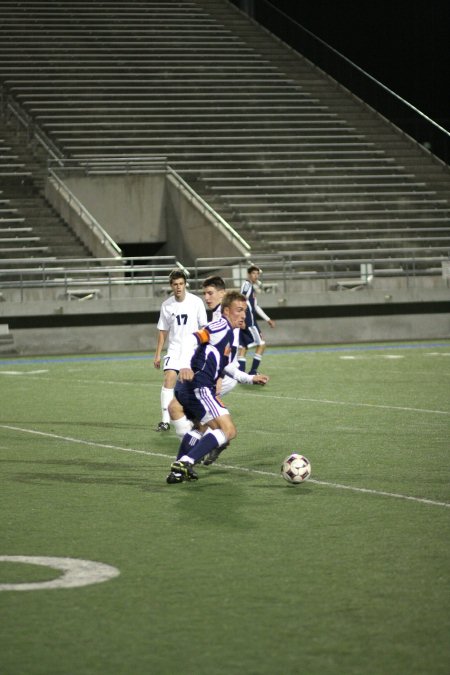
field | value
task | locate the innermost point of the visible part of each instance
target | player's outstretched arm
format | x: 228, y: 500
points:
x: 260, y: 379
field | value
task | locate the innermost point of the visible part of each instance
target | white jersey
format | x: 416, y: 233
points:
x: 181, y: 318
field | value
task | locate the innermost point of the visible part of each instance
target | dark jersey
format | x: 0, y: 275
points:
x: 249, y: 292
x: 215, y: 351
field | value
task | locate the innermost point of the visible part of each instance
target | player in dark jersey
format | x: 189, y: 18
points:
x: 206, y: 356
x: 251, y: 335
x: 213, y: 291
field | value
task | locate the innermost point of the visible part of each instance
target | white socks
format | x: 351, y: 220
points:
x: 181, y: 426
x: 166, y: 397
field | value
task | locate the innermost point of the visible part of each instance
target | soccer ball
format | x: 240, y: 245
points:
x: 296, y: 468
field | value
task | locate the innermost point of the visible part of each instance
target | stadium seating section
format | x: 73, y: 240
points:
x: 295, y: 162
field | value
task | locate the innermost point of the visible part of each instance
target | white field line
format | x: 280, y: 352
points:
x: 323, y: 401
x: 349, y: 403
x: 337, y: 486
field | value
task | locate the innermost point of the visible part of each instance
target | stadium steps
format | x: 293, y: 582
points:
x: 7, y: 346
x: 29, y: 226
x: 52, y: 231
x: 269, y: 140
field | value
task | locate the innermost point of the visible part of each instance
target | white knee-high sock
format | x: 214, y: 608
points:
x: 166, y: 397
x: 181, y: 426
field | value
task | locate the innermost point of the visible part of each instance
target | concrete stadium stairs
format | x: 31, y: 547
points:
x: 291, y: 159
x: 29, y: 226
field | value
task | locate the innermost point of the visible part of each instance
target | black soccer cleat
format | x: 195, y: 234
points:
x: 211, y: 457
x: 162, y: 426
x: 174, y: 477
x: 181, y: 471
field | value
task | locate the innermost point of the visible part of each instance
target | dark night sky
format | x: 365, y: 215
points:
x: 404, y: 45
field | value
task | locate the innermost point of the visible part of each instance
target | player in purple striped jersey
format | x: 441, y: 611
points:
x: 213, y: 291
x: 206, y: 356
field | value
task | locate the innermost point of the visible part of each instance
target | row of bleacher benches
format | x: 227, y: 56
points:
x: 177, y: 79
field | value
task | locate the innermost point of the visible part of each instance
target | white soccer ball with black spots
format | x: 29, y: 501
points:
x: 296, y: 468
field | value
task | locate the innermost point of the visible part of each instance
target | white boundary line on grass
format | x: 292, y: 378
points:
x: 337, y: 486
x: 354, y: 404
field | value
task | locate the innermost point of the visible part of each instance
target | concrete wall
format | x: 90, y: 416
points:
x: 129, y: 324
x: 129, y: 207
x: 80, y: 221
x: 142, y: 337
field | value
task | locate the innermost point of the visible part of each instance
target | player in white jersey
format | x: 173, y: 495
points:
x: 181, y: 314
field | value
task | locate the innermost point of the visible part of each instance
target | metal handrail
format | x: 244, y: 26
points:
x: 279, y: 271
x: 286, y: 267
x: 226, y: 229
x: 67, y: 274
x: 106, y: 164
x: 50, y: 264
x: 32, y: 131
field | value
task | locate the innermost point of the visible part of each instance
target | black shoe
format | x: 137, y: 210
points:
x: 181, y: 471
x: 162, y: 426
x: 211, y: 457
x: 174, y: 477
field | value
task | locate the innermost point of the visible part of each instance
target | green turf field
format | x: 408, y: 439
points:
x: 237, y: 573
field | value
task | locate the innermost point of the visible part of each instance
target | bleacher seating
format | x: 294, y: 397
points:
x: 294, y: 162
x: 28, y: 226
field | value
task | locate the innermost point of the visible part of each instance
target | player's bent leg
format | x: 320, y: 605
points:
x: 202, y: 404
x: 170, y: 378
x: 226, y: 425
x: 221, y: 430
x: 212, y: 456
x: 188, y: 441
x: 242, y: 358
x: 259, y: 351
x: 178, y: 419
x: 211, y: 439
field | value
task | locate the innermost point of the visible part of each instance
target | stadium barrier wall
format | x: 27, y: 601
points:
x: 101, y: 325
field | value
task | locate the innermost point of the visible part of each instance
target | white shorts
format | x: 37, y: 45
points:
x: 172, y: 361
x: 228, y: 384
